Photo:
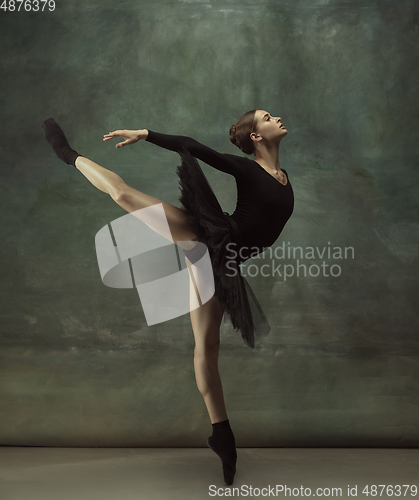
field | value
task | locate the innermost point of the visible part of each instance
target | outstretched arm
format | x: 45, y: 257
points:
x: 230, y: 164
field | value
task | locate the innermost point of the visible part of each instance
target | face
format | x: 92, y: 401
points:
x: 269, y: 127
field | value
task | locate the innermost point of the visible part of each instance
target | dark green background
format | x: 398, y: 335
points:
x: 79, y: 365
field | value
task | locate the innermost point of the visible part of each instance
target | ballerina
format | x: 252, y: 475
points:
x: 265, y: 202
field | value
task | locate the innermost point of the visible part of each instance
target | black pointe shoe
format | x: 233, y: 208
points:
x: 229, y: 463
x: 58, y: 141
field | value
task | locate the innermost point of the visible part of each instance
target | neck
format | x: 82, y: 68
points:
x: 267, y: 155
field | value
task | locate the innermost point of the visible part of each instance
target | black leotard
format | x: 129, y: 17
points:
x: 264, y: 205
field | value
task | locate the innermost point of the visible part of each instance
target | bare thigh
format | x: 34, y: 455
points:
x: 205, y: 319
x: 131, y: 200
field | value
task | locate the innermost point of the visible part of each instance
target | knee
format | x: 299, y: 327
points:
x: 120, y: 192
x: 207, y: 351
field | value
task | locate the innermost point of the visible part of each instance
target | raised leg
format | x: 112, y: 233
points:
x: 131, y: 199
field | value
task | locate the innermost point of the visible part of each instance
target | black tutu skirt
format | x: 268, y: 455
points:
x: 216, y: 229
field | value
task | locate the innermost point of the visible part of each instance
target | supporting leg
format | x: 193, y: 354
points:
x: 206, y: 322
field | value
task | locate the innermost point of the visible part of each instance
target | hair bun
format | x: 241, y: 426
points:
x: 233, y: 130
x: 240, y: 132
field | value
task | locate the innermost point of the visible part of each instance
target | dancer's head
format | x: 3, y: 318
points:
x: 254, y: 127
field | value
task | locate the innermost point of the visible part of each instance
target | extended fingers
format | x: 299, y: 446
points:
x: 117, y: 133
x: 111, y: 135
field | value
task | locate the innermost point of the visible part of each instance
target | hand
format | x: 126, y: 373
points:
x: 130, y: 136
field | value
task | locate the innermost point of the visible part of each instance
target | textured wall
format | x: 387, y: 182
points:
x: 79, y: 365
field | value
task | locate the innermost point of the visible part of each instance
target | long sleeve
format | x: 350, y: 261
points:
x: 230, y: 164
